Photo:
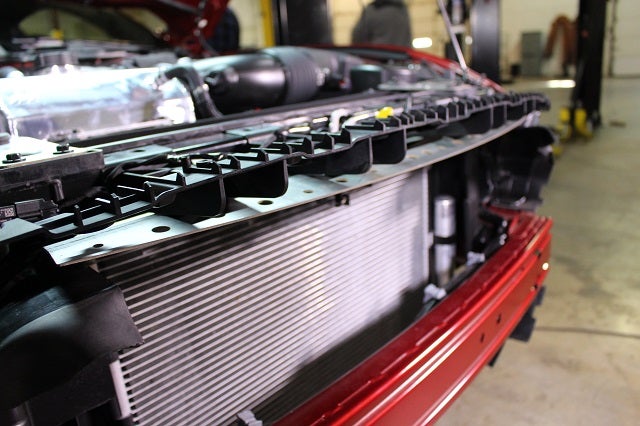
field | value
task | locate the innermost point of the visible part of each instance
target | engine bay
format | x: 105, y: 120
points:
x: 286, y: 193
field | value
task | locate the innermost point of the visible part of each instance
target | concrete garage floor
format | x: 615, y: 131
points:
x: 582, y: 365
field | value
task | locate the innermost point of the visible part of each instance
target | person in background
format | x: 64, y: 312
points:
x: 226, y: 35
x: 568, y: 29
x: 383, y: 22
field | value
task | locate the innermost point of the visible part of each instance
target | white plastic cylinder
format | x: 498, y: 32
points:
x: 444, y: 232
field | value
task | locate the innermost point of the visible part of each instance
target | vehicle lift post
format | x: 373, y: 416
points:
x: 583, y: 114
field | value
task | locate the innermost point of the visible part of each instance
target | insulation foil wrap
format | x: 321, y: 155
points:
x: 262, y: 314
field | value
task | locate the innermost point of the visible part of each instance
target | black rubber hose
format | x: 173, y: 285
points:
x: 199, y: 91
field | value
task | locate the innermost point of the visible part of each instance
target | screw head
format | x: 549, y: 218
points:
x: 62, y: 147
x: 13, y: 157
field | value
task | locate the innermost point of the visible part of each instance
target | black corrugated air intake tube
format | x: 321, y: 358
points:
x: 270, y: 77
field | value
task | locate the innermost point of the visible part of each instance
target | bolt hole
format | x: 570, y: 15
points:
x: 482, y: 338
x: 265, y: 202
x: 160, y: 229
x: 499, y: 319
x: 308, y: 191
x: 139, y: 150
x: 99, y: 245
x: 342, y: 180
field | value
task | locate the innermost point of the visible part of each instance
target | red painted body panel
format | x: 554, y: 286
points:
x: 417, y: 375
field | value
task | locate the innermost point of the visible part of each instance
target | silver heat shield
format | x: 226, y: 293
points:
x: 85, y: 103
x: 262, y: 314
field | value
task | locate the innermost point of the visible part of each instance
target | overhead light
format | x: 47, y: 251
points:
x: 422, y: 43
x: 468, y: 40
x: 561, y: 84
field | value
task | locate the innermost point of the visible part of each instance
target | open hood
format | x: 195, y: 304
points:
x: 186, y: 23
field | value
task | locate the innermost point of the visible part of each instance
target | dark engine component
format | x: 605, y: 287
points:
x: 48, y: 336
x: 274, y: 76
x: 188, y: 76
x: 35, y: 173
x: 520, y: 165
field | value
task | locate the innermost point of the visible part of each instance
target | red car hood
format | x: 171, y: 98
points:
x: 188, y: 21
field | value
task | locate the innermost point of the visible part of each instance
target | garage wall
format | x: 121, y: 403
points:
x: 249, y: 14
x: 425, y: 21
x: 625, y: 45
x: 344, y: 15
x: 518, y: 17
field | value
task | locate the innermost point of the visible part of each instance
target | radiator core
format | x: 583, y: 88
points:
x: 262, y: 314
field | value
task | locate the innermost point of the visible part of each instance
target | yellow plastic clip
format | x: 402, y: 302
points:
x: 57, y: 34
x: 385, y: 112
